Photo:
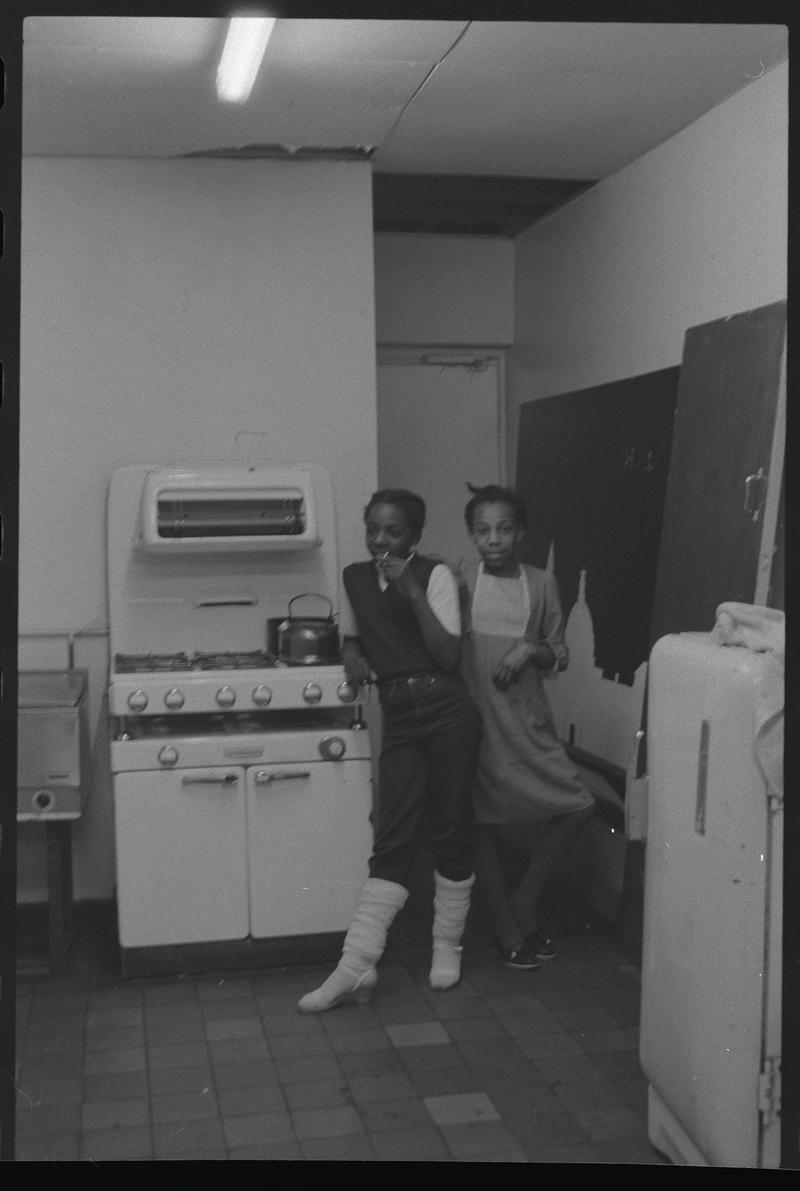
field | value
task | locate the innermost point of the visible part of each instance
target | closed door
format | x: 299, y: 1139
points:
x: 181, y: 856
x: 440, y: 426
x: 308, y: 844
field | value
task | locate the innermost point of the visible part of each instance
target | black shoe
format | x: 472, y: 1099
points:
x: 540, y: 945
x: 519, y: 955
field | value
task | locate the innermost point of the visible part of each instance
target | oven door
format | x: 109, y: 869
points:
x: 181, y: 856
x: 309, y: 840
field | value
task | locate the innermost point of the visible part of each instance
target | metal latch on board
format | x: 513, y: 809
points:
x: 769, y: 1088
x: 636, y: 793
x: 754, y: 486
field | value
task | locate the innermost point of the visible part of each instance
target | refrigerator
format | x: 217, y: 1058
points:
x: 710, y: 1037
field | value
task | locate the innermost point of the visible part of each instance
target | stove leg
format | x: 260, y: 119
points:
x: 59, y: 889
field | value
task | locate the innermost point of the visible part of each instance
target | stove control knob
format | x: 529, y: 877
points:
x: 168, y: 755
x: 312, y: 692
x: 346, y: 692
x: 332, y: 748
x: 43, y: 800
x: 262, y: 695
x: 174, y: 699
x: 137, y: 700
x: 225, y: 696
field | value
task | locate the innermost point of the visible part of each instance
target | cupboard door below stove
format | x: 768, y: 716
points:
x: 181, y: 856
x: 309, y: 840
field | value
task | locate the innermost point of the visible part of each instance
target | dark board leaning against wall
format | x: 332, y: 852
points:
x: 592, y: 468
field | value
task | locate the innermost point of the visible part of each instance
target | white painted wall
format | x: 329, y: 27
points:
x: 692, y: 231
x: 444, y: 290
x: 168, y: 306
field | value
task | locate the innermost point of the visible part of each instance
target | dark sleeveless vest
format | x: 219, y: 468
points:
x: 387, y: 626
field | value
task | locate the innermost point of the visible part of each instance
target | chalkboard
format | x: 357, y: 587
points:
x: 592, y: 469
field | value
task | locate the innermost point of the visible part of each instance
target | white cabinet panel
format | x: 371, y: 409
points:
x: 308, y: 843
x: 181, y: 856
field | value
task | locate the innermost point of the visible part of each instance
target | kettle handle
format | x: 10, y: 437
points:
x: 317, y: 595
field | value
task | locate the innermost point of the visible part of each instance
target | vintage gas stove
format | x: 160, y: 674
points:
x: 242, y: 785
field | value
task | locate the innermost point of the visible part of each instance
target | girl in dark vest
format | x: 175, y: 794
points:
x: 408, y: 637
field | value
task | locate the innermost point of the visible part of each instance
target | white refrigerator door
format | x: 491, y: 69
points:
x: 711, y: 959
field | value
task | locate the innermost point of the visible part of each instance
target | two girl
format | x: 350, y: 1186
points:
x: 436, y: 758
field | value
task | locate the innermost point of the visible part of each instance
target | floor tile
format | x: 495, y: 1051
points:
x: 116, y: 1145
x: 236, y: 1102
x: 267, y: 1151
x: 373, y: 1089
x: 49, y: 1147
x: 48, y: 1118
x: 392, y: 1115
x: 607, y: 1124
x: 224, y: 1029
x: 184, y: 1138
x: 116, y: 1085
x: 182, y: 1054
x: 312, y: 1067
x: 546, y: 1128
x: 115, y: 1114
x: 409, y: 1145
x: 330, y: 1121
x: 358, y: 1041
x: 166, y: 1081
x: 256, y: 1128
x: 245, y: 1075
x: 426, y: 1033
x: 460, y: 1107
x: 317, y: 1093
x: 184, y: 1106
x: 477, y: 1137
x: 350, y: 1148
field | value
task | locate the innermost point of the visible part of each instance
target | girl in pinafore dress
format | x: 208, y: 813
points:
x: 525, y: 787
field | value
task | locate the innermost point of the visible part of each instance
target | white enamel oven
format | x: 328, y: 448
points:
x: 235, y: 829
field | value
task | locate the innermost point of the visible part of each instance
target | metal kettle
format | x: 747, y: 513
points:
x: 308, y: 640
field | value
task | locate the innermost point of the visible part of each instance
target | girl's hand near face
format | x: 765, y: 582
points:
x: 402, y: 575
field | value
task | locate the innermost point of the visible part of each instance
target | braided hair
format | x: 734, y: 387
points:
x: 412, y: 505
x: 494, y: 494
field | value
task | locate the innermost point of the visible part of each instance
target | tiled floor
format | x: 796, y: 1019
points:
x: 508, y: 1067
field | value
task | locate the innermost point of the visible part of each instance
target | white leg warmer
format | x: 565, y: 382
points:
x: 451, y: 906
x: 355, y: 976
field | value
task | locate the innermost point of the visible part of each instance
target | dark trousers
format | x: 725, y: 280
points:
x: 431, y: 730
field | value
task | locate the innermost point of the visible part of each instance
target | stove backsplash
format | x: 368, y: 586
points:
x: 184, y: 598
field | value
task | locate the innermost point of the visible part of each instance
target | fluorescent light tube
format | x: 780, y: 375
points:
x: 244, y: 48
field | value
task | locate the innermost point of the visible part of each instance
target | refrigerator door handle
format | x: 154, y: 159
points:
x: 702, y: 779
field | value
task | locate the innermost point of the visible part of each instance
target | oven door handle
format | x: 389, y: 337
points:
x: 210, y: 779
x: 265, y: 778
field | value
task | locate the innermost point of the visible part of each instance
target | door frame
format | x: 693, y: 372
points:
x: 410, y: 355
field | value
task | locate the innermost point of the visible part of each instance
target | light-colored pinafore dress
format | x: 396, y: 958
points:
x: 523, y: 773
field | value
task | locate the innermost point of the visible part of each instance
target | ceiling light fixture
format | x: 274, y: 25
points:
x: 244, y: 48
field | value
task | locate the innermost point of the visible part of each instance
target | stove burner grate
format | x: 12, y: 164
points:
x: 132, y: 663
x: 256, y: 659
